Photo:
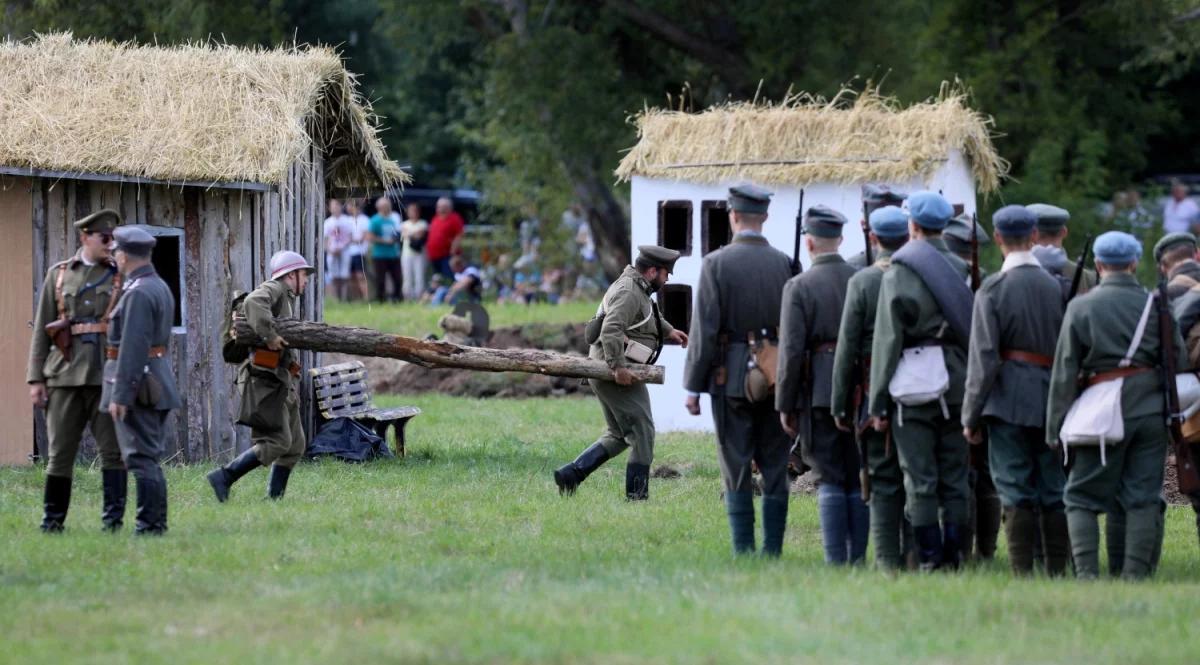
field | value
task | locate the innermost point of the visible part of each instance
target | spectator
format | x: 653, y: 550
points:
x: 1180, y: 212
x: 338, y: 232
x: 445, y: 235
x: 358, y: 250
x: 384, y: 236
x: 468, y: 284
x: 414, y: 231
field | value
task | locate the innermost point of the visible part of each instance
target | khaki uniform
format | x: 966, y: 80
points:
x: 284, y: 446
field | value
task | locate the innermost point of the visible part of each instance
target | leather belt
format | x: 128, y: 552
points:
x: 1114, y: 374
x: 825, y: 347
x: 89, y: 328
x: 113, y: 352
x: 1028, y: 357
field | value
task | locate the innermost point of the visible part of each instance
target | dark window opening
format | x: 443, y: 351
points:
x: 714, y: 226
x: 675, y: 304
x: 166, y: 262
x: 675, y: 226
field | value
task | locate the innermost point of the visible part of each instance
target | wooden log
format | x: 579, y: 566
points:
x: 367, y: 342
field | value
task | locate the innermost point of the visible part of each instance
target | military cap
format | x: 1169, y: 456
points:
x: 749, y: 199
x: 958, y: 233
x: 1171, y: 240
x: 660, y: 257
x: 1014, y: 221
x: 878, y: 196
x: 1050, y: 218
x: 930, y: 210
x: 889, y: 222
x: 1117, y: 248
x: 134, y: 241
x: 823, y: 222
x: 103, y: 220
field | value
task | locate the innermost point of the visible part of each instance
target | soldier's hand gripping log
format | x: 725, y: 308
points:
x: 314, y: 336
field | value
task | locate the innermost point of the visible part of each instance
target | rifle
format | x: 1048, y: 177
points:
x: 866, y: 229
x: 1079, y: 268
x: 1185, y: 466
x: 797, y: 267
x: 864, y: 467
x: 974, y: 253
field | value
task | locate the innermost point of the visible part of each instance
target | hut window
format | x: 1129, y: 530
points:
x: 675, y: 226
x: 169, y: 263
x: 714, y: 226
x: 675, y: 303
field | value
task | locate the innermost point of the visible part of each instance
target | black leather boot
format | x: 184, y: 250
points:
x: 774, y: 519
x: 570, y: 475
x: 1020, y: 523
x: 151, y: 504
x: 116, y: 488
x: 278, y: 482
x: 55, y: 501
x: 637, y: 482
x: 224, y: 478
x: 740, y: 506
x: 929, y: 547
x: 1057, y: 542
x: 952, y: 546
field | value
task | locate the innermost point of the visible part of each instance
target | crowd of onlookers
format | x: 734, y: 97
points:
x: 387, y: 257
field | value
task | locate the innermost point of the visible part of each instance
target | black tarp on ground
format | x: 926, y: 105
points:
x: 347, y: 440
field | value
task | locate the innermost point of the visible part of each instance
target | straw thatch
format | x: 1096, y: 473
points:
x: 853, y: 138
x: 184, y: 113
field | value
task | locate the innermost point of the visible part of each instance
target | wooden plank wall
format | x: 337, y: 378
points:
x: 16, y: 306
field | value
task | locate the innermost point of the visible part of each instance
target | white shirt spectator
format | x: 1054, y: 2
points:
x: 1178, y: 216
x: 339, y: 236
x: 359, y: 246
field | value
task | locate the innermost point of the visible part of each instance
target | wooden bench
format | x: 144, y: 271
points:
x: 342, y: 391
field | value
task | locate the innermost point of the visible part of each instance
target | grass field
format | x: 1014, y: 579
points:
x: 463, y: 552
x: 415, y: 320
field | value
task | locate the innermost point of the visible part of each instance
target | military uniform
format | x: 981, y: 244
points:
x: 628, y: 314
x: 83, y: 294
x: 874, y: 197
x: 851, y: 363
x: 1017, y: 315
x: 739, y: 295
x: 138, y: 375
x: 811, y: 313
x: 1185, y: 274
x: 1050, y: 222
x: 1128, y: 475
x: 928, y: 437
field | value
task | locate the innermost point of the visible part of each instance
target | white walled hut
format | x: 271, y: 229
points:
x: 683, y: 164
x: 225, y: 154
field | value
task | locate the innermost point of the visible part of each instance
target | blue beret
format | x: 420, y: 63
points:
x: 889, y: 222
x: 1014, y: 221
x: 1117, y: 248
x: 134, y: 241
x: 823, y: 222
x: 750, y: 199
x: 930, y: 210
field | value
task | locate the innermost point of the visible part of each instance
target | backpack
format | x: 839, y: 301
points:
x: 231, y: 351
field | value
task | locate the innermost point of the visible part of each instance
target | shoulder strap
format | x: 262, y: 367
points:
x: 58, y: 289
x: 1139, y: 332
x: 658, y: 347
x: 114, y: 296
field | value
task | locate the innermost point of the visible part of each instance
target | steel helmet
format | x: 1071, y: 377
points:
x: 287, y: 261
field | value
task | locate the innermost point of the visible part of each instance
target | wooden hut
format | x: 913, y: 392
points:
x: 226, y: 154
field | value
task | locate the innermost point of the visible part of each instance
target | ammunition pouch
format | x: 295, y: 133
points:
x: 150, y: 392
x: 763, y: 365
x: 59, y: 331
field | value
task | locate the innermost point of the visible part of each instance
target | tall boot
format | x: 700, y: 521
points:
x: 887, y: 522
x: 116, y: 488
x: 1057, y: 541
x: 1160, y: 526
x: 1085, y: 542
x: 1141, y: 542
x: 151, y: 504
x: 223, y: 478
x: 56, y: 498
x: 1019, y: 525
x: 740, y: 506
x: 831, y: 509
x: 987, y: 524
x: 858, y: 526
x: 929, y: 547
x: 966, y: 532
x: 570, y: 475
x: 637, y: 482
x: 774, y: 518
x: 1114, y: 540
x: 909, y: 548
x: 952, y: 545
x: 278, y: 481
x: 1039, y: 544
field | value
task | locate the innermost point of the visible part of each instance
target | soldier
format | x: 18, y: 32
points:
x: 1013, y: 332
x: 66, y: 358
x: 958, y: 237
x: 1186, y: 308
x: 918, y: 364
x: 851, y: 364
x: 1099, y: 342
x: 1052, y: 232
x: 808, y: 333
x: 737, y: 313
x: 628, y: 328
x: 875, y: 197
x: 1175, y: 255
x: 268, y: 379
x: 139, y: 385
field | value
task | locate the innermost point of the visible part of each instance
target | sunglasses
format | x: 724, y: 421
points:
x: 105, y: 236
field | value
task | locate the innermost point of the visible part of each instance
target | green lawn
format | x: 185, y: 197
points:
x: 416, y: 320
x: 463, y: 552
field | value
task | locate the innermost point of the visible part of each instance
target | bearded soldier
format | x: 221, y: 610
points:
x: 628, y: 329
x: 1013, y: 332
x: 1110, y: 334
x: 851, y: 364
x: 812, y: 312
x: 269, y: 380
x: 735, y: 325
x: 66, y: 356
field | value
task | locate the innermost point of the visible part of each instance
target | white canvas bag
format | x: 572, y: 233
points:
x: 1095, y: 417
x: 920, y: 378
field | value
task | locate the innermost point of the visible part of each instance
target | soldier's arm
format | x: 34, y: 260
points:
x: 983, y: 359
x: 257, y: 307
x: 702, y: 339
x: 793, y: 331
x: 137, y: 327
x: 39, y: 344
x: 1064, y: 387
x: 888, y: 341
x: 845, y: 355
x: 619, y: 309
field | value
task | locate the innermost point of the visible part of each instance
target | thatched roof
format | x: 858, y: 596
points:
x: 853, y: 138
x: 184, y: 113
